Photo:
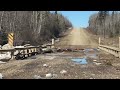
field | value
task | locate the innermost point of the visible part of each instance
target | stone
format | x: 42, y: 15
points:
x: 94, y: 60
x: 91, y: 78
x: 37, y: 77
x: 96, y: 63
x: 63, y: 72
x: 49, y: 75
x: 45, y: 65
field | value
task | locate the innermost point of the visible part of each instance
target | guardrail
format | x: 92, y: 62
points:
x: 112, y: 50
x: 25, y: 51
x: 28, y: 51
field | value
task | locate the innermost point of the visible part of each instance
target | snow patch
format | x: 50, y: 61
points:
x: 1, y: 76
x: 2, y: 62
x: 5, y: 56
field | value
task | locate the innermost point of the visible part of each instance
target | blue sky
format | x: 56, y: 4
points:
x: 78, y: 18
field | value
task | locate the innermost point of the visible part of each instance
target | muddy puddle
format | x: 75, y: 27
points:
x: 80, y: 60
x: 91, y: 53
x: 88, y: 54
x: 83, y: 57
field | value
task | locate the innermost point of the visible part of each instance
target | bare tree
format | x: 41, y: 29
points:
x: 34, y: 26
x: 105, y: 24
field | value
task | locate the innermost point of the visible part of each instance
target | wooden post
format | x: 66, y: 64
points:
x: 119, y: 47
x: 99, y: 40
x: 53, y: 42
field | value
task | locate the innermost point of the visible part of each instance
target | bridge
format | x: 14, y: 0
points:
x: 112, y: 50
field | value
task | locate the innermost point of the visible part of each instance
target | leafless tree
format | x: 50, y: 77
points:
x: 34, y: 26
x: 104, y: 23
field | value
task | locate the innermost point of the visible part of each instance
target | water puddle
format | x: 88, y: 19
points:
x: 80, y: 60
x: 91, y: 53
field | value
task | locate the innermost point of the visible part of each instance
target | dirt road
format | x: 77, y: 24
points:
x: 99, y: 66
x: 28, y: 68
x: 78, y: 36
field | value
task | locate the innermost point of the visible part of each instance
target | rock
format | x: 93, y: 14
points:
x: 49, y: 75
x: 94, y: 60
x: 45, y: 65
x: 91, y: 78
x: 63, y: 72
x: 1, y: 76
x: 97, y: 63
x: 37, y: 77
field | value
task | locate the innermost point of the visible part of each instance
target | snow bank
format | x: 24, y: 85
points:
x: 7, y: 46
x: 19, y: 46
x: 5, y: 56
x: 1, y: 62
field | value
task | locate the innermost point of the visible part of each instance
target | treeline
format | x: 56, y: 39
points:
x: 105, y: 23
x: 36, y: 27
